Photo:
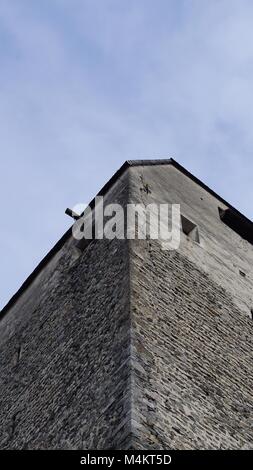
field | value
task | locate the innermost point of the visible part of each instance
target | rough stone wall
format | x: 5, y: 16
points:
x: 64, y: 351
x: 192, y: 357
x: 191, y: 331
x: 221, y: 253
x: 125, y: 345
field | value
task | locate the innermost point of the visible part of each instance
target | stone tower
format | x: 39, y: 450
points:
x: 118, y: 344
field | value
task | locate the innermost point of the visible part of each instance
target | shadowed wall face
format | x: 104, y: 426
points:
x: 64, y: 351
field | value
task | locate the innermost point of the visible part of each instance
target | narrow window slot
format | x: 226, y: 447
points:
x: 190, y: 229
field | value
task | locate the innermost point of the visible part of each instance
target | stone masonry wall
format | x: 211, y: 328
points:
x: 192, y: 357
x: 124, y: 345
x: 191, y: 328
x: 64, y: 351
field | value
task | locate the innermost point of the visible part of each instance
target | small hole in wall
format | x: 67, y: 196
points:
x: 242, y: 273
x: 190, y: 229
x: 251, y: 311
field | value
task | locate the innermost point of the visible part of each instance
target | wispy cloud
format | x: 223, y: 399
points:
x: 87, y: 84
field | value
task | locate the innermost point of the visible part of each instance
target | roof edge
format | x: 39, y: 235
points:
x: 57, y: 247
x: 187, y: 173
x: 129, y: 163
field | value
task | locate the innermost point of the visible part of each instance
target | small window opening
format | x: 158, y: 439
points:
x: 237, y: 222
x: 190, y: 229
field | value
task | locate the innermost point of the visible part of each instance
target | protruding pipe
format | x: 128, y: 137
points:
x: 72, y: 214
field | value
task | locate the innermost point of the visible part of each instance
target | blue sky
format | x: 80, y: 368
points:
x: 88, y: 84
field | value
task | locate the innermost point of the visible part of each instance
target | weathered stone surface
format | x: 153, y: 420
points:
x: 192, y: 357
x: 64, y: 352
x: 191, y: 326
x: 125, y: 345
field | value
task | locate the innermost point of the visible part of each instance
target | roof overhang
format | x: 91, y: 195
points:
x: 233, y: 215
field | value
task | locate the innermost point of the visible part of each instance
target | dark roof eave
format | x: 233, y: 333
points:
x: 102, y: 192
